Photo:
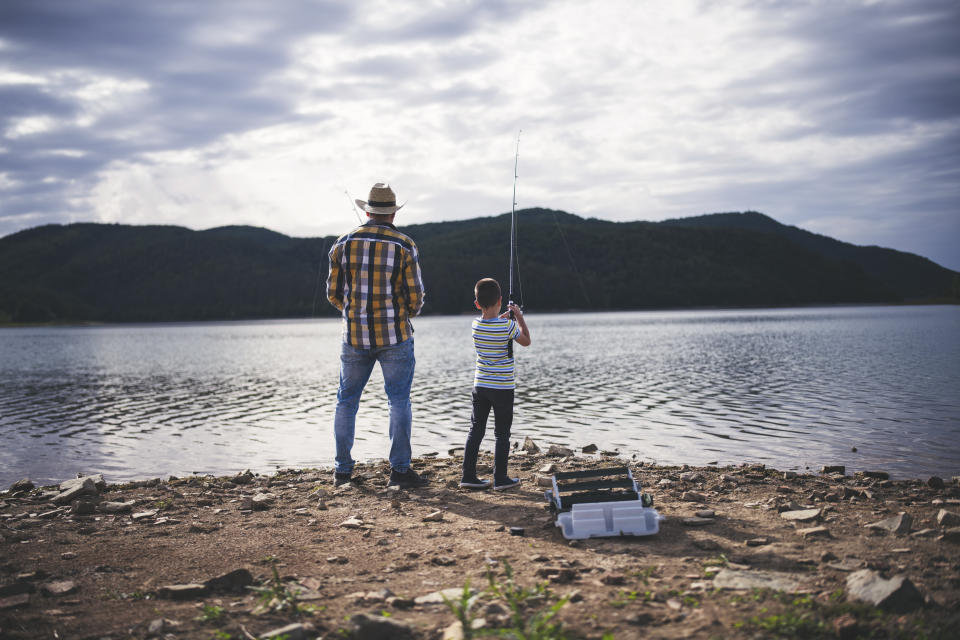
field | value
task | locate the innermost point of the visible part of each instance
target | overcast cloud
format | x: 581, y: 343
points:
x: 839, y: 117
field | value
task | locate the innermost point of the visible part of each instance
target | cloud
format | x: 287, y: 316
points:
x: 844, y: 116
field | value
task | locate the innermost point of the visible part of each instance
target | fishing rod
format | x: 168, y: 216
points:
x: 323, y: 252
x: 513, y: 236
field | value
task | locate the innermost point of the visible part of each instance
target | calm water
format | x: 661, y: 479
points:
x: 793, y: 388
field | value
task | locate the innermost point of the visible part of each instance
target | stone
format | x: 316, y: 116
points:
x: 295, y: 631
x: 936, y: 482
x: 76, y: 489
x: 748, y: 580
x: 182, y: 591
x: 338, y: 559
x: 876, y: 475
x: 693, y: 496
x: 530, y: 446
x: 697, y: 522
x: 789, y: 475
x: 846, y: 627
x: 705, y: 513
x: 443, y: 561
x: 97, y: 479
x: 665, y: 483
x: 559, y: 452
x: 801, y: 515
x: 896, y: 594
x: 243, y: 478
x: 590, y: 448
x: 691, y: 476
x: 837, y: 468
x: 548, y: 468
x: 84, y: 507
x: 544, y: 481
x: 21, y: 485
x: 233, y: 582
x: 952, y: 534
x: 262, y: 501
x: 947, y: 519
x: 15, y: 601
x: 116, y: 507
x: 453, y: 594
x: 353, y: 522
x: 368, y: 627
x: 815, y: 532
x: 436, y: 516
x: 757, y: 542
x: 899, y: 524
x: 143, y: 515
x: 59, y: 588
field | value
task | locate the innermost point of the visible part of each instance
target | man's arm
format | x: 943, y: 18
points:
x: 414, y: 282
x: 335, y: 278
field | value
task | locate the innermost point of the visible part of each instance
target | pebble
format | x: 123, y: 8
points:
x: 143, y: 515
x: 899, y: 524
x: 947, y: 519
x: 530, y: 446
x: 353, y: 522
x: 815, y: 532
x: 436, y: 516
x: 706, y: 513
x: 295, y: 631
x: 693, y: 496
x: 263, y: 501
x: 558, y: 451
x: 896, y: 594
x: 590, y: 448
x: 437, y: 597
x: 830, y: 469
x: 59, y: 587
x: 801, y: 515
x: 758, y: 542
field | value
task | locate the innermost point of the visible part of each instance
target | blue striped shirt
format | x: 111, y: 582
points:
x: 494, y: 365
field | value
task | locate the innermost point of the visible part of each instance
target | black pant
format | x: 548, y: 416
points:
x: 501, y: 401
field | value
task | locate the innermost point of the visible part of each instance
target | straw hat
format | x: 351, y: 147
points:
x: 381, y: 200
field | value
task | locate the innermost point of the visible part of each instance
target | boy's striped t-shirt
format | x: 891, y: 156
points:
x: 494, y: 364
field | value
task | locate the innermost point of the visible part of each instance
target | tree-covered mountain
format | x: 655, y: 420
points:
x: 121, y: 273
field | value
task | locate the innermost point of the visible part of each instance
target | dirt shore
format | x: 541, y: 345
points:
x: 238, y: 557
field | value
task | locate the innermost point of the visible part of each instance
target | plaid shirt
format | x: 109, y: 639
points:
x: 375, y: 281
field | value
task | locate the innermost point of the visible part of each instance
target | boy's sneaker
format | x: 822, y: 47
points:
x: 506, y: 483
x: 474, y: 483
x: 406, y: 480
x: 341, y: 478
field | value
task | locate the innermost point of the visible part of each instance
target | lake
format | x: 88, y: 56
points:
x: 792, y: 388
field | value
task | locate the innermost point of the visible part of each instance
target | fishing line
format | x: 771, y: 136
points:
x: 573, y: 262
x: 323, y: 252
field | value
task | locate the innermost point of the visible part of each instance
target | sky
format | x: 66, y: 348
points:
x: 839, y: 117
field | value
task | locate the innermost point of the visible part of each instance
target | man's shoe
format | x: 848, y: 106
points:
x: 506, y: 483
x: 340, y: 478
x: 406, y: 480
x: 474, y: 483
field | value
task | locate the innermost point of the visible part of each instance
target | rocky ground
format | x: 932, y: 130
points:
x: 742, y: 552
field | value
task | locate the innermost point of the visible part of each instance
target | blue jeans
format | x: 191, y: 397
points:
x: 397, y: 363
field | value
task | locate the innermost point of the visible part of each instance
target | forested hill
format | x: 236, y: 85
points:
x: 120, y: 273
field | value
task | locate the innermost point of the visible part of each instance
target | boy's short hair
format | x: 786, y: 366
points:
x: 487, y: 292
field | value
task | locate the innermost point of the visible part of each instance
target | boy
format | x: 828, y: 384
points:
x: 493, y: 383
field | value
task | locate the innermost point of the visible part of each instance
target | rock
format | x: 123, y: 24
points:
x: 838, y: 468
x: 338, y: 559
x: 747, y: 580
x: 548, y: 468
x: 143, y: 515
x: 897, y: 594
x: 453, y: 594
x: 815, y: 532
x: 936, y: 482
x: 59, y: 588
x: 262, y: 501
x: 758, y: 542
x: 665, y: 483
x: 693, y: 496
x: 846, y: 627
x: 436, y: 516
x: 789, y: 475
x: 182, y: 591
x: 243, y: 478
x: 443, y: 561
x: 97, y: 478
x: 21, y: 485
x: 697, y: 522
x: 898, y: 524
x: 706, y: 513
x: 590, y: 448
x: 159, y: 625
x: 544, y: 481
x: 559, y: 452
x: 876, y: 475
x: 295, y: 631
x: 952, y: 534
x: 530, y: 446
x: 947, y: 519
x: 15, y: 601
x: 691, y: 476
x: 116, y: 507
x: 801, y: 515
x: 367, y: 627
x: 353, y: 522
x: 84, y: 507
x: 232, y: 582
x: 76, y: 489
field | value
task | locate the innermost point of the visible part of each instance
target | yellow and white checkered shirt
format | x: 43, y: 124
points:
x: 375, y: 281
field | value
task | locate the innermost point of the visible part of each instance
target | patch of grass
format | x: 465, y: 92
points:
x: 524, y: 625
x: 210, y: 613
x: 276, y: 596
x: 163, y: 504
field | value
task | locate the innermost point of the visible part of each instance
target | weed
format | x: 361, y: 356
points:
x: 461, y: 608
x: 277, y: 596
x: 538, y: 626
x: 222, y: 635
x: 210, y: 613
x: 163, y: 504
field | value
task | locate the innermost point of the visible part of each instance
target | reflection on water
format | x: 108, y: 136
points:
x: 791, y: 388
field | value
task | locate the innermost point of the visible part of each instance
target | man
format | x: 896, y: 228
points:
x: 375, y: 282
